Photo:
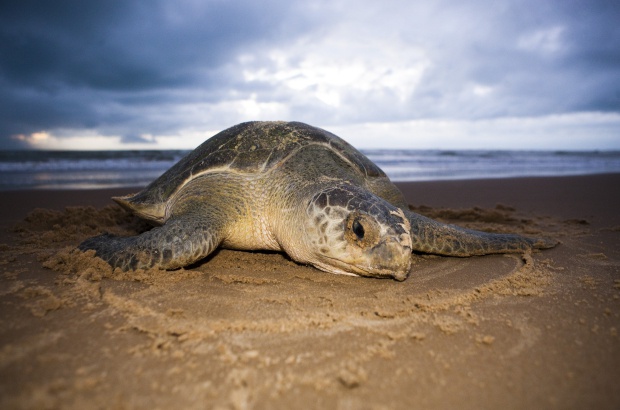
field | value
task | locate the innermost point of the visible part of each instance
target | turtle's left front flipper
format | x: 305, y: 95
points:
x: 430, y: 236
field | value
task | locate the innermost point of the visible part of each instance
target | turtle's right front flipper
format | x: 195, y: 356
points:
x: 182, y: 241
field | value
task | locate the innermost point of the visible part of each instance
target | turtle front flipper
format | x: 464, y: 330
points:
x: 183, y: 240
x: 430, y: 236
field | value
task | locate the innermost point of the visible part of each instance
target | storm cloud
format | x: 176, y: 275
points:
x: 143, y: 71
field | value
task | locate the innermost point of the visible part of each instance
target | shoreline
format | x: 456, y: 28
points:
x: 254, y: 329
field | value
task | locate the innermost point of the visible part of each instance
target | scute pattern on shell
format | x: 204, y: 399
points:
x: 250, y: 147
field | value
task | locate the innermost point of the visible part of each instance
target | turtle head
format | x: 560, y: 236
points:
x: 351, y: 231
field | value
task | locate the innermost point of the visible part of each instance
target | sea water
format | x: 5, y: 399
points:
x: 107, y: 169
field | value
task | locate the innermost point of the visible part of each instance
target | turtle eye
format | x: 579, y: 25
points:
x: 361, y: 230
x: 358, y: 229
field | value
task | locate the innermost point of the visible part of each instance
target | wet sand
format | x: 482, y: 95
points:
x: 256, y: 330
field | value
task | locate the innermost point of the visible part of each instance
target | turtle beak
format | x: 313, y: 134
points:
x: 390, y: 258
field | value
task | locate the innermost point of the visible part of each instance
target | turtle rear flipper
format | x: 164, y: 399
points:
x: 431, y: 236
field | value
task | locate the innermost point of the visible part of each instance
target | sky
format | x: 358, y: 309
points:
x: 445, y: 74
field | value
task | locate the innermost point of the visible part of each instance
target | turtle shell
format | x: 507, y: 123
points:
x: 250, y: 148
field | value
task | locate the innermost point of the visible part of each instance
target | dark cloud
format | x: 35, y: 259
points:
x: 68, y: 64
x: 133, y: 68
x: 128, y: 45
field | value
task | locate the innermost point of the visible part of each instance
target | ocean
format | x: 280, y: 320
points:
x: 111, y: 169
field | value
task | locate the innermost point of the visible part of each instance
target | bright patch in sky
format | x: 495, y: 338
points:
x: 331, y: 69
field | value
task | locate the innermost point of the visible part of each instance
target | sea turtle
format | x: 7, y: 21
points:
x: 290, y: 187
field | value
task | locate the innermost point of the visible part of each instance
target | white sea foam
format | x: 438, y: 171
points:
x: 79, y: 169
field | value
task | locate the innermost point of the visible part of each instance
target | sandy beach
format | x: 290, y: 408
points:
x: 247, y: 330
